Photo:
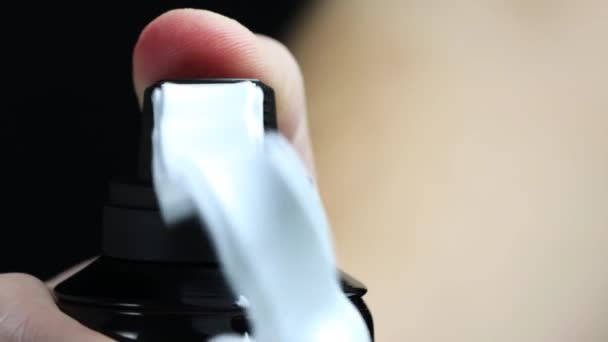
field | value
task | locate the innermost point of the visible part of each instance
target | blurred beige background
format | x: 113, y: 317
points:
x: 462, y: 153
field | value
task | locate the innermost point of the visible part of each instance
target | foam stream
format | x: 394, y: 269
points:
x: 265, y: 219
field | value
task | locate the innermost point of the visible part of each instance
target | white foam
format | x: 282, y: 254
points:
x: 265, y: 218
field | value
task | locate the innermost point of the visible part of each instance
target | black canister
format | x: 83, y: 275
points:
x: 153, y: 284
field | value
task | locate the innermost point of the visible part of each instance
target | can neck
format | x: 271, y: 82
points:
x: 133, y: 229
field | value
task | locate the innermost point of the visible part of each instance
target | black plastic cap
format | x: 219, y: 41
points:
x: 132, y: 226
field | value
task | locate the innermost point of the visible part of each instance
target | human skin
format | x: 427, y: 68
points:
x: 462, y: 153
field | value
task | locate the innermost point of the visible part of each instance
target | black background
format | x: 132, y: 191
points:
x: 68, y: 108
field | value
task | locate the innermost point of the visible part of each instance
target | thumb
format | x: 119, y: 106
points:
x: 28, y: 314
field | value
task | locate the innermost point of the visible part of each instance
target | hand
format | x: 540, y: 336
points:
x: 28, y: 314
x: 178, y: 44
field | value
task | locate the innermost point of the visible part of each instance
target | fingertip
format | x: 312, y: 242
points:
x: 189, y: 43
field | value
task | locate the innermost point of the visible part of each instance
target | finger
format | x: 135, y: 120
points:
x: 29, y: 314
x: 57, y: 279
x: 202, y: 44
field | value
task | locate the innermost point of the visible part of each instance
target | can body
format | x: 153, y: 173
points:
x: 160, y: 302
